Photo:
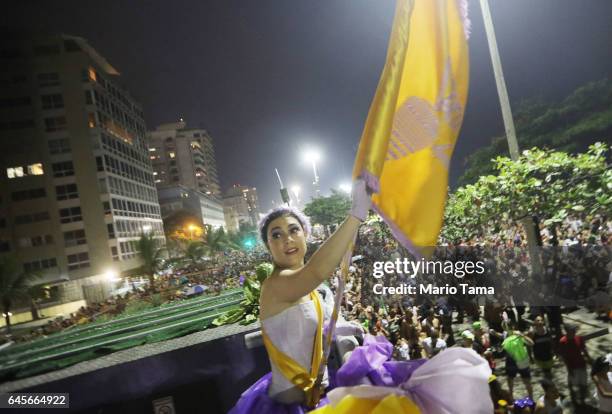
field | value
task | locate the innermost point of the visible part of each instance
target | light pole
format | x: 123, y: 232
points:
x: 295, y: 189
x: 283, y: 191
x: 313, y: 157
x: 528, y: 222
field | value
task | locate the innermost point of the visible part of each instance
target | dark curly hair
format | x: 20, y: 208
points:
x: 281, y: 212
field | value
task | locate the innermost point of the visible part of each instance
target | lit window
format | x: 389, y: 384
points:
x: 35, y: 169
x: 92, y: 74
x: 152, y: 149
x: 91, y: 120
x: 154, y: 172
x: 14, y: 172
x: 171, y: 154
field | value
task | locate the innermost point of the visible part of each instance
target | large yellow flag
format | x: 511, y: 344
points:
x: 415, y: 117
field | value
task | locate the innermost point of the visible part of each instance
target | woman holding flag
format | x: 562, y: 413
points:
x: 403, y: 157
x: 295, y: 320
x: 292, y: 311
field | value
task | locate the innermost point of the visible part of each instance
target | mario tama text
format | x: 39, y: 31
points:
x: 407, y: 269
x: 431, y: 289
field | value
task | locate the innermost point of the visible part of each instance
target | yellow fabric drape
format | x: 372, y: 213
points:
x: 392, y: 403
x: 415, y: 117
x: 305, y: 379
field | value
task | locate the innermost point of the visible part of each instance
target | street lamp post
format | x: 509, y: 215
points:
x: 313, y: 157
x: 295, y: 189
x: 316, y: 179
x: 513, y: 146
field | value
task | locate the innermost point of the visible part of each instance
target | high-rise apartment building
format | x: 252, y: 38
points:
x: 77, y: 189
x: 240, y: 205
x: 184, y: 156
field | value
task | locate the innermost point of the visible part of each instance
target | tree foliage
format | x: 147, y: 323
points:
x: 582, y: 118
x: 328, y: 210
x: 194, y: 252
x: 248, y: 311
x: 245, y: 238
x: 152, y: 256
x: 545, y: 183
x: 14, y: 285
x: 216, y: 240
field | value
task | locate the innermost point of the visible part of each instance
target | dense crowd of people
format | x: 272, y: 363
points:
x: 514, y: 331
x: 171, y: 285
x: 518, y: 330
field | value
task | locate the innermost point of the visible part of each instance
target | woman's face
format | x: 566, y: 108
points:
x: 287, y: 242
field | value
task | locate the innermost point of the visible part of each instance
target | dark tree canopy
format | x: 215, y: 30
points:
x: 581, y: 119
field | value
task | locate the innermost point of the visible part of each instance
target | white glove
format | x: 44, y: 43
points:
x: 361, y: 201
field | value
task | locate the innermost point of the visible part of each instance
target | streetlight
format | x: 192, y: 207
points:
x: 313, y: 157
x: 191, y: 228
x: 111, y: 275
x: 295, y: 189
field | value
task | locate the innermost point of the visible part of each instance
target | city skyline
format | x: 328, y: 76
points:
x: 271, y: 80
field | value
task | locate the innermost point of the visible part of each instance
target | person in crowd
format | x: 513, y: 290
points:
x: 403, y: 349
x: 602, y: 378
x: 432, y: 345
x: 291, y: 313
x: 543, y: 352
x: 482, y: 344
x: 572, y: 350
x: 517, y: 358
x: 430, y: 322
x: 467, y: 339
x: 501, y: 398
x: 550, y: 402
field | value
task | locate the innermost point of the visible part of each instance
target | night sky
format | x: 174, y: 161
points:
x: 270, y: 78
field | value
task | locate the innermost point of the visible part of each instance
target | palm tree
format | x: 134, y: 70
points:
x: 152, y: 256
x: 14, y: 285
x: 244, y: 238
x: 218, y: 241
x: 194, y: 251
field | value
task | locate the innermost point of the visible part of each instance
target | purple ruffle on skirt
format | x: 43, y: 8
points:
x: 370, y: 364
x: 257, y: 400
